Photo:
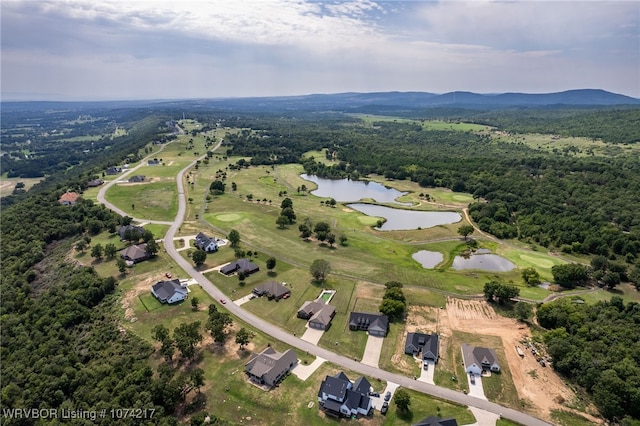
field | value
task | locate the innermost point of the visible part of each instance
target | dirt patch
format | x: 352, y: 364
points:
x: 347, y: 210
x: 142, y: 286
x: 540, y: 387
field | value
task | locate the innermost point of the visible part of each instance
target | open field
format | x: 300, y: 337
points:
x: 426, y: 124
x: 7, y: 184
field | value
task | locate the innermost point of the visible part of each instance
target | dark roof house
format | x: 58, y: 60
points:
x: 318, y: 313
x: 477, y: 359
x: 374, y: 324
x: 240, y: 265
x: 169, y: 291
x: 339, y: 397
x: 153, y: 162
x: 135, y: 253
x: 95, y: 182
x: 428, y: 344
x: 136, y: 179
x: 272, y: 290
x: 136, y: 232
x: 113, y: 170
x: 436, y: 421
x: 205, y: 243
x: 269, y: 367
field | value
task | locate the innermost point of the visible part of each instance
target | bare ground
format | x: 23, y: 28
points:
x: 541, y: 388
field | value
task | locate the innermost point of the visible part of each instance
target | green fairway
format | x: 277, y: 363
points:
x: 155, y: 201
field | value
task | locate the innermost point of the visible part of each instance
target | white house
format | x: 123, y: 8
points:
x: 205, y: 243
x: 339, y: 397
x: 477, y: 360
x: 169, y: 291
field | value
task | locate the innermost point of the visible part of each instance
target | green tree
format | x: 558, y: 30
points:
x: 319, y: 269
x: 282, y: 222
x: 194, y: 303
x: 286, y: 203
x: 110, y: 250
x: 199, y: 257
x: 152, y: 247
x: 122, y: 265
x: 392, y: 308
x: 569, y: 275
x: 331, y: 239
x: 234, y: 238
x: 465, y: 231
x: 271, y: 263
x: 343, y: 240
x: 242, y: 338
x: 402, y: 400
x: 187, y: 337
x: 96, y: 251
x: 81, y: 246
x: 531, y: 276
x: 305, y: 231
x: 160, y: 333
x: 217, y: 187
x: 196, y: 377
x: 289, y: 214
x: 523, y: 311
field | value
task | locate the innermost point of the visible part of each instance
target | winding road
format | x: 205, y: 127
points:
x: 279, y: 334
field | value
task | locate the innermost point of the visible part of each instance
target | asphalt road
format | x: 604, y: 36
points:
x: 279, y: 334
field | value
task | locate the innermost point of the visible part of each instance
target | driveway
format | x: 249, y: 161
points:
x: 312, y: 335
x: 244, y: 299
x: 304, y: 371
x: 377, y: 401
x: 427, y: 375
x: 372, y: 351
x: 484, y: 418
x: 476, y: 389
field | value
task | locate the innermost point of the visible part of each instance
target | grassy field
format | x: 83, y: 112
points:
x: 155, y: 201
x: 426, y: 124
x: 7, y: 184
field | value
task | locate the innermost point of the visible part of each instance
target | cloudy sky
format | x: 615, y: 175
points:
x: 144, y: 49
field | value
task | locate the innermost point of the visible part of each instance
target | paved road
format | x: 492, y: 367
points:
x: 279, y: 334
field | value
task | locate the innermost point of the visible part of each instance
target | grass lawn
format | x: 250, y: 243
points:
x: 7, y: 184
x: 155, y: 201
x: 423, y: 406
x: 566, y: 418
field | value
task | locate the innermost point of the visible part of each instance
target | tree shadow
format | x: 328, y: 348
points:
x: 407, y: 415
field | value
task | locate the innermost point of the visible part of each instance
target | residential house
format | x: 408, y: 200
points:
x: 339, y: 397
x: 272, y: 290
x: 241, y: 265
x: 153, y: 162
x: 269, y: 367
x: 136, y: 179
x: 477, y: 359
x: 436, y: 421
x: 374, y: 324
x: 135, y: 253
x: 69, y: 198
x: 135, y: 232
x: 428, y: 344
x: 113, y: 171
x: 95, y: 182
x: 169, y: 291
x: 318, y: 313
x: 205, y: 243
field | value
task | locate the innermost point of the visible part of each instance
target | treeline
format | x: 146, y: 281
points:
x: 598, y: 346
x: 611, y: 124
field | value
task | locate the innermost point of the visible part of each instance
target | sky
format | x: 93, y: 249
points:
x: 148, y: 49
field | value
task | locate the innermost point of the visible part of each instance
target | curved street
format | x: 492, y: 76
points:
x: 284, y: 336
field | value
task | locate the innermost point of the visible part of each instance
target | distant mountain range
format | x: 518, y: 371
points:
x: 583, y: 97
x: 377, y: 101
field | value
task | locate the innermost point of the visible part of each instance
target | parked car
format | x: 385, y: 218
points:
x: 385, y: 408
x: 387, y: 396
x: 473, y: 378
x: 426, y: 366
x: 223, y: 301
x: 376, y: 394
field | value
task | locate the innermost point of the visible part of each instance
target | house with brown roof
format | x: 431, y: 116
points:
x: 318, y: 313
x: 269, y: 367
x: 241, y: 265
x: 69, y: 198
x: 135, y: 253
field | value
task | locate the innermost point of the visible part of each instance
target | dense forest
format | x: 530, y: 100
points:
x: 598, y: 346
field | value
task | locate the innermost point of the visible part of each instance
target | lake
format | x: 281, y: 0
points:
x: 428, y: 259
x: 344, y: 190
x: 483, y: 260
x: 400, y: 220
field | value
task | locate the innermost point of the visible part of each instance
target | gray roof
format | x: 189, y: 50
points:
x: 165, y: 289
x: 273, y: 288
x: 240, y: 265
x: 203, y: 241
x: 362, y: 385
x: 123, y: 229
x: 436, y: 421
x: 369, y: 321
x: 269, y: 364
x: 135, y: 252
x: 422, y: 342
x: 136, y: 178
x: 324, y: 315
x: 334, y: 386
x: 478, y: 355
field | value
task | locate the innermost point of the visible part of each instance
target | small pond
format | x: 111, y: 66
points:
x: 400, y: 220
x: 484, y: 260
x: 428, y: 259
x: 343, y: 190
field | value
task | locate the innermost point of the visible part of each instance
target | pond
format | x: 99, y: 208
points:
x: 483, y: 260
x: 343, y: 190
x: 400, y: 220
x: 428, y: 259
